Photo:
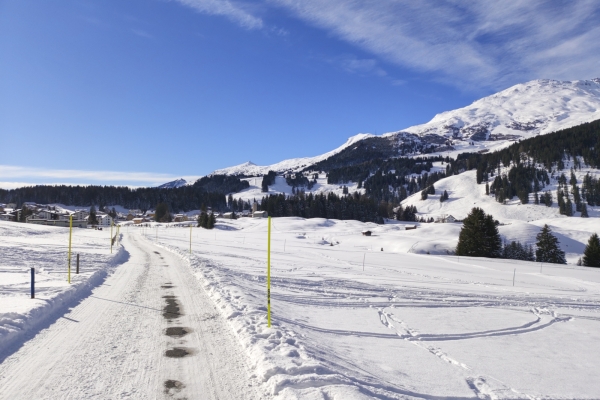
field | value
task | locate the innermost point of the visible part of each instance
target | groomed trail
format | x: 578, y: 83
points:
x: 148, y: 332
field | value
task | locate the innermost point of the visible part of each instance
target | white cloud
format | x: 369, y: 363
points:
x: 484, y: 43
x: 27, y: 176
x: 142, y: 33
x: 232, y: 10
x: 365, y: 66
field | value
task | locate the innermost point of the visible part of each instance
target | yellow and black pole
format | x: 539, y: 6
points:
x: 69, y: 256
x: 269, y: 274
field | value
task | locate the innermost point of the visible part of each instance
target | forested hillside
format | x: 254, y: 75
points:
x: 209, y: 191
x: 528, y: 166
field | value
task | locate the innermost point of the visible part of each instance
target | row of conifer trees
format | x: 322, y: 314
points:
x: 479, y: 237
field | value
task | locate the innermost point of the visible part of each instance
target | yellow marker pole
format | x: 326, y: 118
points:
x: 111, y: 236
x: 269, y: 274
x: 70, y: 237
x: 190, y: 238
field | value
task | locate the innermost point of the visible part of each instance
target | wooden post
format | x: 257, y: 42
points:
x: 77, y: 264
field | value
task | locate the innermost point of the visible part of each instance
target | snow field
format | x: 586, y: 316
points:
x: 45, y: 248
x: 254, y: 192
x: 409, y: 325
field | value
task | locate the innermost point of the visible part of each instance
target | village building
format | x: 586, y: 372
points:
x: 260, y: 214
x: 180, y: 218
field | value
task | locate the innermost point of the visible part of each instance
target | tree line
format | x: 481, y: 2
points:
x: 479, y: 237
x: 209, y: 191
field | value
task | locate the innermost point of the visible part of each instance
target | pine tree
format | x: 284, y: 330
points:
x: 479, y: 236
x: 424, y: 194
x: 487, y: 188
x: 162, y: 213
x: 93, y: 219
x: 584, y: 211
x: 591, y: 254
x: 203, y: 217
x: 212, y: 220
x: 547, y: 247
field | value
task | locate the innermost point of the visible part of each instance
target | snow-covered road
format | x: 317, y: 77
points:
x: 148, y: 332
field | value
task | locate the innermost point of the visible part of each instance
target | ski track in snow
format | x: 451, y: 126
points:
x: 408, y: 326
x: 304, y: 355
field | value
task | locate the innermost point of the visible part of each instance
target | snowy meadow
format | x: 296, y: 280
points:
x: 365, y: 317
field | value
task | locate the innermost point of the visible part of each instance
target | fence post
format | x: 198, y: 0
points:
x: 77, y: 264
x: 514, y: 274
x: 70, y: 237
x: 269, y: 274
x: 33, y: 283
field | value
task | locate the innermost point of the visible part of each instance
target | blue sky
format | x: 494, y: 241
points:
x: 142, y: 91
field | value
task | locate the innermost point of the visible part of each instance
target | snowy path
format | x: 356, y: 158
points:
x: 123, y: 341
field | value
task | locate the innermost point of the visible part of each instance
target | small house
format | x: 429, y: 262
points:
x: 229, y: 215
x: 260, y: 214
x: 409, y: 227
x: 366, y: 233
x: 180, y: 218
x: 450, y: 218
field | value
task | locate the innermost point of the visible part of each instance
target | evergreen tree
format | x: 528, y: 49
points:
x: 568, y: 208
x: 584, y: 211
x: 487, y: 188
x: 203, y: 217
x: 424, y: 194
x: 479, y: 236
x: 547, y: 247
x: 517, y: 251
x: 162, y: 213
x: 25, y: 212
x: 212, y: 220
x: 591, y: 254
x: 93, y: 218
x: 548, y: 199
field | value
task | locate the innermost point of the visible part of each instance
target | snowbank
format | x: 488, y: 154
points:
x: 44, y: 248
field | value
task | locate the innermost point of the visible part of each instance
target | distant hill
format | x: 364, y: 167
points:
x: 173, y: 184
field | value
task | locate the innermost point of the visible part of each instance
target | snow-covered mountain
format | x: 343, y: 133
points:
x: 173, y: 184
x: 251, y: 169
x: 491, y: 123
x: 522, y: 111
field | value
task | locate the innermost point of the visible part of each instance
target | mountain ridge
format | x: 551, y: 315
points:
x: 491, y: 123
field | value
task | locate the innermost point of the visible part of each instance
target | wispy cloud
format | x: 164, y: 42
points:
x: 142, y: 33
x: 16, y: 176
x: 235, y: 11
x: 355, y: 65
x: 484, y: 43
